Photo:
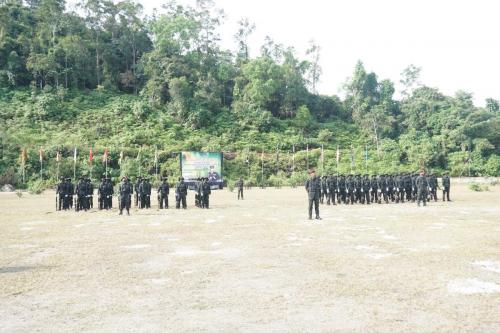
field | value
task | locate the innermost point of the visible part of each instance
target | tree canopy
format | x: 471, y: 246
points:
x: 109, y: 76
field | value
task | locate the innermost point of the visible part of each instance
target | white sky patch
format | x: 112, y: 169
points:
x: 472, y: 286
x: 488, y: 265
x: 456, y: 42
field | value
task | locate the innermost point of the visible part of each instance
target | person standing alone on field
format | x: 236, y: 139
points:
x: 446, y: 186
x: 239, y: 185
x: 313, y: 188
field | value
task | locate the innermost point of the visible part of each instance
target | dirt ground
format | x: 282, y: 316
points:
x: 256, y: 265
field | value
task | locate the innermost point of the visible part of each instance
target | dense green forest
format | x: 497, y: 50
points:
x: 108, y: 76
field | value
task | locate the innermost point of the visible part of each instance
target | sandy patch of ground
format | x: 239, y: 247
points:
x: 256, y: 265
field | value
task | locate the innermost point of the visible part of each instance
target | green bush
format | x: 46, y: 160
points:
x: 476, y: 187
x: 37, y: 186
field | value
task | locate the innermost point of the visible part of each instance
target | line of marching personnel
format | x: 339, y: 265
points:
x: 141, y: 190
x: 386, y: 188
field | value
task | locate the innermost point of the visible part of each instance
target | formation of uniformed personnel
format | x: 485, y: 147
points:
x: 387, y: 188
x: 180, y: 194
x: 125, y: 191
x: 446, y: 186
x: 313, y: 188
x: 163, y: 191
x: 239, y: 186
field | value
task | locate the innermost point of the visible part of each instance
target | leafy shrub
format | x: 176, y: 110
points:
x: 37, y: 187
x: 476, y: 187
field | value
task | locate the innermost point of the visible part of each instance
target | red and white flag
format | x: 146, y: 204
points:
x: 91, y: 156
x: 105, y: 156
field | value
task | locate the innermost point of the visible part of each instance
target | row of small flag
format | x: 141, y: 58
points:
x: 105, y: 156
x: 24, y: 155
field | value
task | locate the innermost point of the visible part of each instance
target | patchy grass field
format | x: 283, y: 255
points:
x: 252, y: 266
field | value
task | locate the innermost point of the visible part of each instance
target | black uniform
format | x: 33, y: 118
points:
x: 382, y: 186
x: 101, y: 193
x: 206, y: 191
x: 90, y: 193
x: 414, y: 187
x: 422, y: 188
x: 313, y: 188
x: 126, y: 191
x: 239, y: 186
x: 81, y: 195
x: 61, y: 194
x: 163, y: 191
x: 198, y: 200
x: 433, y: 184
x: 109, y: 191
x: 374, y: 189
x: 145, y: 192
x: 407, y: 184
x: 341, y: 189
x: 350, y: 189
x: 137, y: 190
x: 332, y: 189
x: 390, y: 187
x: 365, y: 194
x: 446, y: 187
x: 398, y: 183
x: 324, y: 189
x: 180, y: 194
x: 69, y: 191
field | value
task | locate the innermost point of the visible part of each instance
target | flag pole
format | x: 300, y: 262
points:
x: 307, y: 155
x: 352, y: 158
x: 41, y: 163
x: 322, y: 161
x: 24, y: 156
x: 74, y: 164
x: 24, y: 172
x: 262, y: 168
x: 156, y: 163
x: 337, y: 159
x: 248, y: 165
x: 366, y: 159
